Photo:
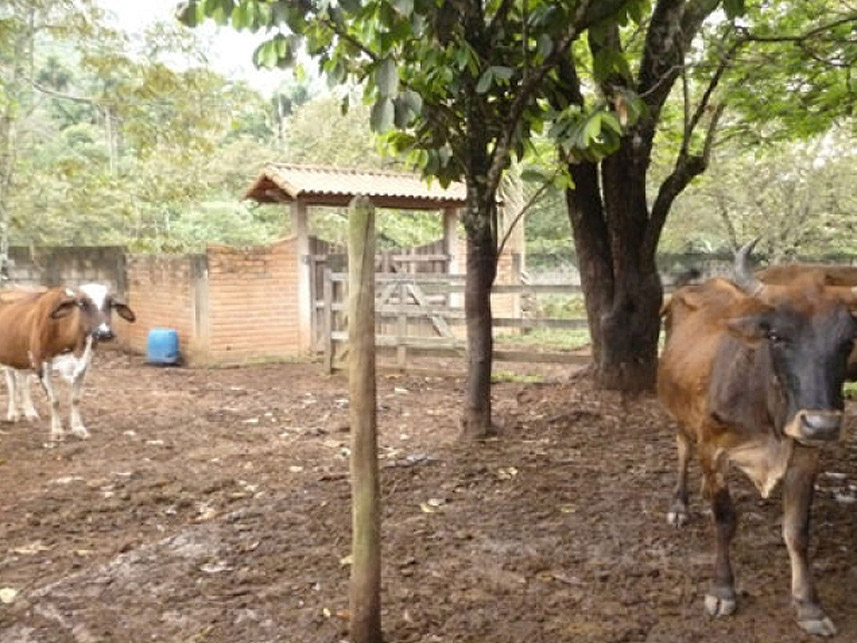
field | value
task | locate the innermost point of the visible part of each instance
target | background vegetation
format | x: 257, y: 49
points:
x: 104, y: 140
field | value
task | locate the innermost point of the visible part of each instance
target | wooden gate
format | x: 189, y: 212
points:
x: 427, y: 259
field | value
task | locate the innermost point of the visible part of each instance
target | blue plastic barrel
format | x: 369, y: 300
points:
x: 163, y: 346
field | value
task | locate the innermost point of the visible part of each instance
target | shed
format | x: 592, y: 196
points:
x: 304, y: 186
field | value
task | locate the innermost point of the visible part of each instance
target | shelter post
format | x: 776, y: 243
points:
x: 300, y: 229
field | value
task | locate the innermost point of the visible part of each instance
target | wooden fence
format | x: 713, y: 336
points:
x: 423, y: 315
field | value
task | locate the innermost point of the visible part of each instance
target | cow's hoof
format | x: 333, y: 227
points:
x: 818, y: 626
x: 31, y: 417
x: 80, y: 432
x: 12, y: 418
x: 718, y: 606
x: 677, y: 515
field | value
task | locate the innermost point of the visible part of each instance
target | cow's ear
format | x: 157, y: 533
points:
x: 123, y: 311
x: 64, y: 307
x: 751, y: 330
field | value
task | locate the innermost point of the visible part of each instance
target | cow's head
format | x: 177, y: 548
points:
x: 95, y: 304
x: 808, y: 333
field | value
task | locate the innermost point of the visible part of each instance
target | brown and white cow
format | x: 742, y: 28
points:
x: 753, y: 375
x: 55, y: 330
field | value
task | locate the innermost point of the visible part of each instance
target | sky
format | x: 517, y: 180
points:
x: 232, y: 50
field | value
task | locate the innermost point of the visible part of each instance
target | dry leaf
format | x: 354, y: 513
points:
x: 7, y: 595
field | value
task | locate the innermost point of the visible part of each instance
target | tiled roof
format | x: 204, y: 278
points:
x: 322, y: 185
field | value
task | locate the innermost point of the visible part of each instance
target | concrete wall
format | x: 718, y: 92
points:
x: 68, y: 266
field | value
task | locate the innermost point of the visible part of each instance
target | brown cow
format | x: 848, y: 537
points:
x: 756, y: 380
x: 57, y: 330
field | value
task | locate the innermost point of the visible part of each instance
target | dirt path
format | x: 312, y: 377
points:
x: 213, y: 506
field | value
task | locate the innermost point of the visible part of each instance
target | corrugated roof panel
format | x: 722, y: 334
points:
x: 305, y: 180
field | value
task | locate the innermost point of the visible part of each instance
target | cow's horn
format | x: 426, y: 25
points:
x: 744, y: 276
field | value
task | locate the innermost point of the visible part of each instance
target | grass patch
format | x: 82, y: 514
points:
x: 849, y: 390
x: 555, y: 338
x: 505, y: 376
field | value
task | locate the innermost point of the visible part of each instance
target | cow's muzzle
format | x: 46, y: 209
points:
x: 103, y: 335
x: 813, y: 427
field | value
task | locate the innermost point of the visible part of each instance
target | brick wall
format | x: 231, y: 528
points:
x: 161, y: 294
x: 253, y: 302
x: 230, y: 305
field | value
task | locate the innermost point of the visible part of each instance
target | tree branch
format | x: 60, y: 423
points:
x: 686, y: 168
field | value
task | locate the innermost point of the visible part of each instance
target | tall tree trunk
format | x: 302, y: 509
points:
x: 618, y: 272
x: 629, y: 329
x: 481, y: 271
x: 592, y: 247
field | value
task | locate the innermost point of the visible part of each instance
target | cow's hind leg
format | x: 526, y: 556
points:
x: 798, y: 488
x: 24, y: 387
x: 720, y: 599
x: 47, y: 384
x: 12, y: 412
x: 677, y: 515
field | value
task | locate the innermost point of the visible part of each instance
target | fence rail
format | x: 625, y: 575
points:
x: 407, y: 306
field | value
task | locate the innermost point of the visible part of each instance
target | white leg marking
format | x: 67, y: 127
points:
x: 12, y: 413
x: 56, y: 423
x: 25, y: 386
x: 79, y: 374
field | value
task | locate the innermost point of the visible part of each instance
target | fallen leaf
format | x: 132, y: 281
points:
x: 345, y: 560
x: 296, y: 468
x: 31, y: 548
x: 7, y: 595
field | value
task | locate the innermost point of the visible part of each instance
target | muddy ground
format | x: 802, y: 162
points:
x: 213, y: 505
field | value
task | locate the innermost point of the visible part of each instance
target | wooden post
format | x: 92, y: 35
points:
x: 300, y: 228
x: 402, y: 329
x: 327, y: 329
x: 365, y: 598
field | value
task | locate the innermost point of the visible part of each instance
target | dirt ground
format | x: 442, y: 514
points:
x: 213, y: 505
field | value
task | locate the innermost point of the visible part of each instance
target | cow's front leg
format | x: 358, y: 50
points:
x: 12, y: 412
x: 77, y: 427
x: 56, y: 423
x: 720, y: 599
x: 77, y: 377
x: 677, y: 514
x: 798, y: 486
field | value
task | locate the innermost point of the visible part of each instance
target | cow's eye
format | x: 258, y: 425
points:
x: 777, y: 338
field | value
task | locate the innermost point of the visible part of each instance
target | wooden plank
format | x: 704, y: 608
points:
x: 402, y: 328
x: 437, y: 321
x: 327, y: 321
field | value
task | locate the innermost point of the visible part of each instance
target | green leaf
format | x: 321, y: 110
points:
x: 592, y: 129
x: 266, y: 54
x: 186, y: 13
x: 545, y: 46
x: 533, y: 175
x: 383, y: 114
x: 609, y: 119
x: 485, y: 81
x: 504, y: 73
x: 387, y: 78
